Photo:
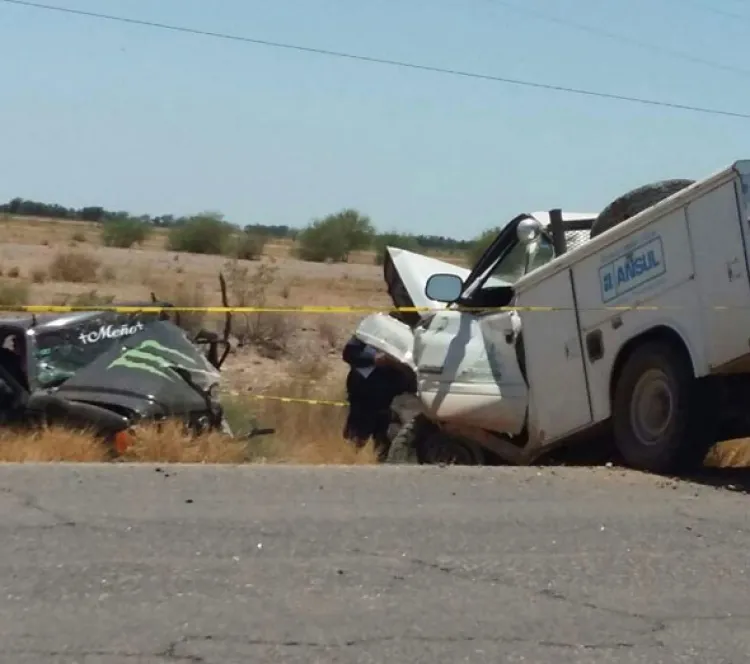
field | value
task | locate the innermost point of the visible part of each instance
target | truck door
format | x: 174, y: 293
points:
x: 467, y: 363
x: 559, y: 402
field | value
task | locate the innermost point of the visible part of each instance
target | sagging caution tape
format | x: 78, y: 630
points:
x: 66, y: 309
x: 312, y: 402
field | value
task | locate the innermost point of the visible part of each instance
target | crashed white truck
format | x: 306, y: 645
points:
x: 629, y: 329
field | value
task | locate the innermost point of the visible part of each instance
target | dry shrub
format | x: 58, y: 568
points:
x: 270, y: 333
x: 13, y: 293
x: 729, y: 454
x: 90, y: 298
x: 14, y: 272
x: 182, y: 293
x: 247, y: 246
x: 328, y: 334
x: 78, y: 236
x: 38, y: 275
x: 310, y: 368
x: 51, y: 444
x: 305, y: 433
x: 74, y: 267
x: 190, y: 294
x: 170, y: 443
x: 109, y: 273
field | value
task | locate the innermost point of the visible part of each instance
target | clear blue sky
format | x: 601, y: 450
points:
x: 156, y: 122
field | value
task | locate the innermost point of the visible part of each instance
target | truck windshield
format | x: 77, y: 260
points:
x: 511, y: 267
x: 59, y: 354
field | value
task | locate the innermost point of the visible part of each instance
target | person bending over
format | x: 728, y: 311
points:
x: 374, y: 380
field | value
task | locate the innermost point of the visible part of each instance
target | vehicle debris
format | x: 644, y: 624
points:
x: 109, y: 372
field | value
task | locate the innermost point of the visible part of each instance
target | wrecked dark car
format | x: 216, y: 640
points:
x: 106, y: 371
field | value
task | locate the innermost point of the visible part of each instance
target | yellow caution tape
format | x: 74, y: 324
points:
x: 314, y: 402
x: 65, y: 309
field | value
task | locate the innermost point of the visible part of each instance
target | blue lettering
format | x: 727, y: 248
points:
x: 636, y: 266
x: 632, y: 269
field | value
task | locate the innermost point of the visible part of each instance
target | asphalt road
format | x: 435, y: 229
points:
x: 205, y: 565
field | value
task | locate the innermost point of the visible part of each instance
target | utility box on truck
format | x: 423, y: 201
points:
x: 673, y: 278
x: 642, y: 331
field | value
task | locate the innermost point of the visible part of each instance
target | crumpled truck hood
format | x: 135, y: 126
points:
x: 406, y: 274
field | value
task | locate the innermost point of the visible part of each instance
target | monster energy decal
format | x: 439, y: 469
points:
x: 150, y: 355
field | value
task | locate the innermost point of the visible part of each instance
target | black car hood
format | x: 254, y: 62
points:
x: 139, y: 374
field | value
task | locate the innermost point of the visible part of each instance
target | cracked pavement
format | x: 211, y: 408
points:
x: 120, y: 564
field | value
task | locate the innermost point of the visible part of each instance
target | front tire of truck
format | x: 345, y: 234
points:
x: 635, y: 201
x: 403, y: 447
x: 658, y: 422
x: 419, y: 441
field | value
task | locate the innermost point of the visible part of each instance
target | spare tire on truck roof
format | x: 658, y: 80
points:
x: 635, y: 201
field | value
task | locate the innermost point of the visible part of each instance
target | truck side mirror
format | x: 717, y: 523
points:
x: 446, y: 288
x: 528, y: 230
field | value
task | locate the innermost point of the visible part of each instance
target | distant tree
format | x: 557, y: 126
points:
x: 480, y: 244
x: 335, y: 237
x: 92, y: 213
x: 205, y: 233
x: 124, y: 233
x: 247, y: 246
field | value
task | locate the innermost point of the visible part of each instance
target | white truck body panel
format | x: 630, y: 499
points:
x: 681, y: 258
x: 559, y: 394
x: 467, y: 373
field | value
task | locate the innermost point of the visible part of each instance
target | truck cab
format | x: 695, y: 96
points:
x: 462, y: 338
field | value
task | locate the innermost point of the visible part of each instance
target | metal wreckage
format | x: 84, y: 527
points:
x: 107, y: 371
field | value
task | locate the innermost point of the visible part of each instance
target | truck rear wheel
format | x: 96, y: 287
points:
x: 635, y: 201
x: 658, y: 424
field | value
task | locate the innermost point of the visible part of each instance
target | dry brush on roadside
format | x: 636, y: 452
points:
x: 304, y: 435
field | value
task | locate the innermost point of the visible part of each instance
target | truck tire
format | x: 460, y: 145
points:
x: 635, y: 201
x: 403, y: 447
x: 420, y: 441
x: 658, y: 422
x: 439, y: 448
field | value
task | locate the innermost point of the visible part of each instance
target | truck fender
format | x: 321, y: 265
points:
x: 57, y: 410
x: 662, y: 332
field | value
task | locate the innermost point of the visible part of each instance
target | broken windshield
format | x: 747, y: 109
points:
x: 513, y: 265
x: 60, y: 353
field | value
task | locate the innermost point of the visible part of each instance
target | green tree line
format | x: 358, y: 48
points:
x: 332, y: 238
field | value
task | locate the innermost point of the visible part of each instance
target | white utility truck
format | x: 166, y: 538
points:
x: 638, y: 335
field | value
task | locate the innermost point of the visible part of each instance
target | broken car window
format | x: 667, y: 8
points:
x: 61, y: 353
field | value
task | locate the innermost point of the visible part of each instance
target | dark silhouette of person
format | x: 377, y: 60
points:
x: 373, y: 382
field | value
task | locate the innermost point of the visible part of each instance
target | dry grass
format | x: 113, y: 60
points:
x: 305, y: 434
x: 729, y: 454
x: 170, y: 444
x: 74, y: 267
x: 50, y: 445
